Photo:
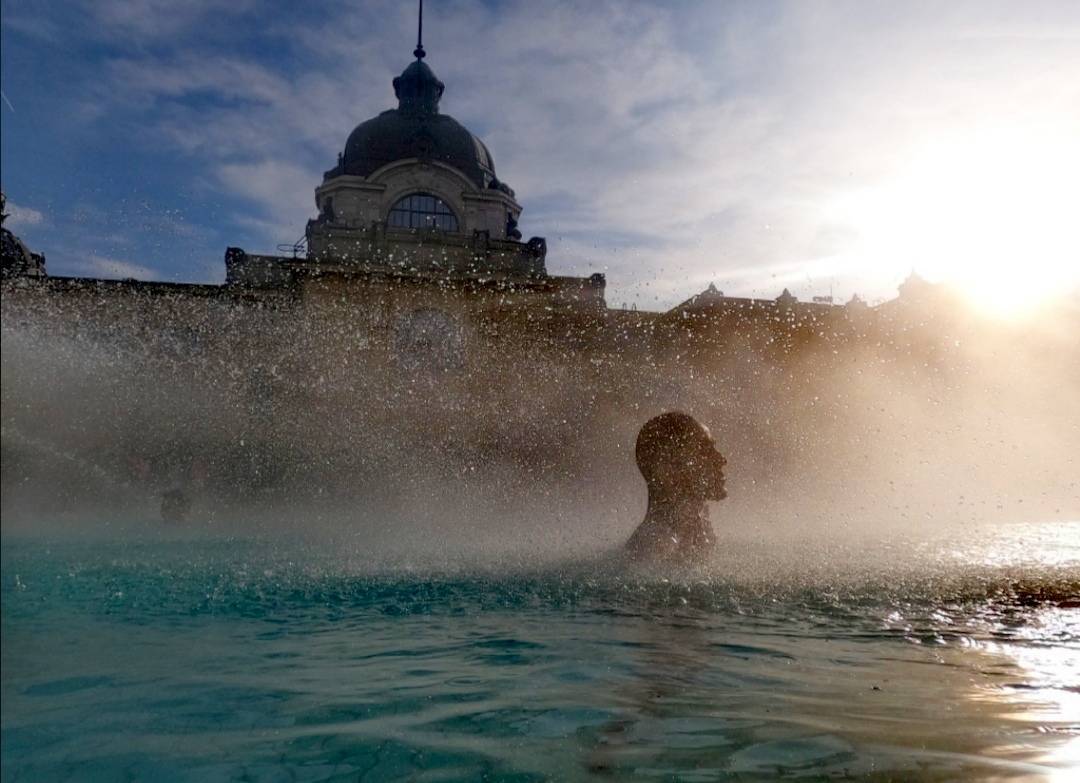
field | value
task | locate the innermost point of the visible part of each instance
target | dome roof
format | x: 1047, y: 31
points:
x: 416, y: 129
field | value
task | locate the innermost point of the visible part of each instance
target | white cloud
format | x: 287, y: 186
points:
x: 283, y: 191
x: 19, y: 217
x: 221, y: 76
x: 98, y: 266
x: 154, y: 20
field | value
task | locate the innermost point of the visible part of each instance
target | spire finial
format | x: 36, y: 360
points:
x: 419, y: 52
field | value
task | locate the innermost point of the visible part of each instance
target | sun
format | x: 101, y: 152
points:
x: 992, y: 211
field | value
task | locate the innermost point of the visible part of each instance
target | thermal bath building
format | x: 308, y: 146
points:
x: 414, y: 198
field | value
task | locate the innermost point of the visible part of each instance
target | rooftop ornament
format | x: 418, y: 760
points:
x: 419, y: 52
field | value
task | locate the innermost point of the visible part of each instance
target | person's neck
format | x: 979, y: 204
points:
x: 679, y: 513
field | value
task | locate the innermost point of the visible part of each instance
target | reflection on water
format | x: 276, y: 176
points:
x: 1046, y: 694
x: 228, y: 659
x: 840, y: 704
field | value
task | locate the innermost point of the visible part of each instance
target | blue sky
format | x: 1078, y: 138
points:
x: 757, y: 145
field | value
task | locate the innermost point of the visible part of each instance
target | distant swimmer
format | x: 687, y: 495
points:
x: 683, y: 470
x: 175, y: 506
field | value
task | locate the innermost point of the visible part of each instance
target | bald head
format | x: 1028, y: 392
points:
x: 678, y: 458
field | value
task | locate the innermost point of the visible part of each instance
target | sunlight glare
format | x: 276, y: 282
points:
x: 992, y: 213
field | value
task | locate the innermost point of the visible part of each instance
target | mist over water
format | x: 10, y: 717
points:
x: 524, y: 443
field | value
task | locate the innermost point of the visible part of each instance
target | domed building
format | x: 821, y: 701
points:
x: 420, y: 178
x: 415, y: 195
x: 414, y: 146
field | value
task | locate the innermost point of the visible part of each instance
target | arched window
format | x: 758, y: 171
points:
x: 422, y: 210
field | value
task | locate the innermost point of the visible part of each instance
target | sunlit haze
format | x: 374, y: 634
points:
x: 990, y: 212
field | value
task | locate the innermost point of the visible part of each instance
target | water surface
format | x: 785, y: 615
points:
x: 201, y: 658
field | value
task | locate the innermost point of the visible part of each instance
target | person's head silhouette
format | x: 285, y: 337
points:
x: 682, y: 469
x: 677, y: 456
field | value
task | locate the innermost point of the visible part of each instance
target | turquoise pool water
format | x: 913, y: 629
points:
x: 231, y: 658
